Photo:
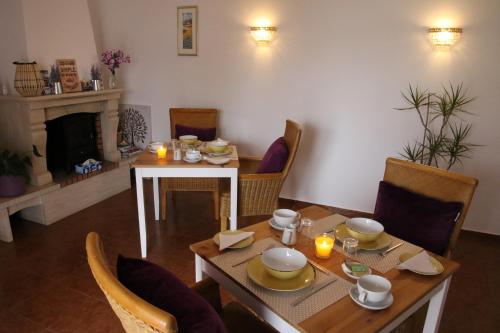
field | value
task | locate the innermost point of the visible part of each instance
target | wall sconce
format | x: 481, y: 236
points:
x: 263, y: 35
x: 444, y: 37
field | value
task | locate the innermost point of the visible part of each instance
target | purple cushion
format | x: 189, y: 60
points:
x: 203, y: 134
x: 275, y: 158
x: 162, y: 289
x: 416, y: 218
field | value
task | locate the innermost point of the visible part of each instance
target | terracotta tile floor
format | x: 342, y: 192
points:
x: 46, y: 286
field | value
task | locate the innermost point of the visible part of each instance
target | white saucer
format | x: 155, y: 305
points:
x: 276, y: 226
x: 352, y: 276
x: 369, y: 305
x: 185, y: 159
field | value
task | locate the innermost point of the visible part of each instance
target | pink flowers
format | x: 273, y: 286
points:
x: 114, y: 58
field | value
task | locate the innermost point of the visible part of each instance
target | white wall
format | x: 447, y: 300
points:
x: 336, y: 66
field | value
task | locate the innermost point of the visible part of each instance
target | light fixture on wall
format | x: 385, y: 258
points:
x: 263, y: 35
x: 444, y: 37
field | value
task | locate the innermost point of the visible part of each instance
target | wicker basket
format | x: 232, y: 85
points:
x: 28, y: 81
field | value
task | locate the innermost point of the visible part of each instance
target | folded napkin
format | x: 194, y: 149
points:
x: 419, y: 263
x: 226, y: 240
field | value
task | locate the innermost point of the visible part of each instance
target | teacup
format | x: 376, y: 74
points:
x: 153, y: 146
x: 284, y: 217
x: 192, y: 154
x: 373, y: 288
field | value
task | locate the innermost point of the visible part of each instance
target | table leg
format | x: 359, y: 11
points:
x: 5, y: 230
x: 435, y: 310
x: 198, y: 268
x: 234, y: 200
x: 140, y: 211
x: 156, y: 198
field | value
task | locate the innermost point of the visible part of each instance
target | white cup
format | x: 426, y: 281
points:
x: 373, y: 288
x: 284, y: 217
x: 192, y: 154
x: 153, y: 146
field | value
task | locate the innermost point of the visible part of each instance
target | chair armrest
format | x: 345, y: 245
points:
x: 249, y: 164
x: 209, y: 290
x: 260, y: 176
x: 250, y: 158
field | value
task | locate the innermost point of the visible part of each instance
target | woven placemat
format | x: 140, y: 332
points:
x: 280, y: 302
x: 370, y: 258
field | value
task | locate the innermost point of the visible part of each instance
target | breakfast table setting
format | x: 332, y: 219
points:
x: 314, y: 271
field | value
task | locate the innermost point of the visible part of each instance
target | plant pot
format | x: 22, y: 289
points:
x: 11, y: 186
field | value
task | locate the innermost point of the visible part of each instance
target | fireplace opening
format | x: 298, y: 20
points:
x: 71, y: 140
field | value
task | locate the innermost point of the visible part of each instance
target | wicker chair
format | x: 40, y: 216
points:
x: 137, y: 315
x: 435, y: 183
x: 258, y: 192
x: 202, y: 118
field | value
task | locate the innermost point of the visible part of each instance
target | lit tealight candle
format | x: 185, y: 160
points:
x: 161, y: 152
x: 324, y: 246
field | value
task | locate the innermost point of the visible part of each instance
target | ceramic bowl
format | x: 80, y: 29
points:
x: 218, y: 146
x: 284, y: 217
x: 188, y: 139
x: 363, y: 229
x: 283, y: 263
x: 153, y: 146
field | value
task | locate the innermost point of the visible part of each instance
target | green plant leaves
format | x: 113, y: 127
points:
x: 12, y: 164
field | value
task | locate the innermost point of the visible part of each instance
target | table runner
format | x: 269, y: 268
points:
x: 370, y: 258
x: 280, y: 302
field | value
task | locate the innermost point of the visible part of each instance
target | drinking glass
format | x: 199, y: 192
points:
x: 306, y: 231
x: 350, y: 247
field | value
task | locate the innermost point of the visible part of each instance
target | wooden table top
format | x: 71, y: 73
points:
x: 407, y: 287
x: 150, y: 160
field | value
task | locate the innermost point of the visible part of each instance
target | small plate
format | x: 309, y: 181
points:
x: 369, y: 305
x: 258, y: 273
x: 437, y: 265
x: 185, y: 159
x: 352, y: 275
x: 276, y: 226
x: 383, y: 241
x: 241, y: 244
x: 218, y: 160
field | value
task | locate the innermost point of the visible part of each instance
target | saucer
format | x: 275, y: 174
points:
x: 276, y: 226
x: 351, y: 274
x: 369, y: 305
x: 196, y: 160
x: 218, y: 160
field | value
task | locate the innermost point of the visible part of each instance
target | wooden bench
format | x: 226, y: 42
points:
x: 11, y: 205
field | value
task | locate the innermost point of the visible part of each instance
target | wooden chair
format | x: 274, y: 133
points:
x: 137, y: 315
x: 435, y: 183
x: 258, y: 193
x: 201, y: 118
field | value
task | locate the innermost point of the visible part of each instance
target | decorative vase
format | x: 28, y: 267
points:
x: 96, y: 85
x: 28, y: 81
x: 57, y: 88
x: 112, y: 81
x: 11, y: 186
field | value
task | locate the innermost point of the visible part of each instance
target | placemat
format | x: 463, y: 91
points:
x: 280, y: 302
x: 370, y: 258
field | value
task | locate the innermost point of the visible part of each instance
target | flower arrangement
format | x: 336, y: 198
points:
x: 114, y: 58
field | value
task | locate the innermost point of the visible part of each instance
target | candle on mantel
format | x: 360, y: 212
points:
x: 161, y: 152
x: 324, y: 246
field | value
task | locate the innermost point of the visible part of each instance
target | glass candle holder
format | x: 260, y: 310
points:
x: 324, y: 245
x: 161, y: 152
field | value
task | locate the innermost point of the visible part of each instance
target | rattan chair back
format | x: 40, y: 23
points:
x: 292, y: 136
x: 135, y: 314
x: 201, y: 118
x: 435, y: 183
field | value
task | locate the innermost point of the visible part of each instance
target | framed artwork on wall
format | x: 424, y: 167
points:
x: 187, y: 30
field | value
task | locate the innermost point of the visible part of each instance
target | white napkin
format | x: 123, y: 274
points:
x: 420, y: 263
x: 226, y: 240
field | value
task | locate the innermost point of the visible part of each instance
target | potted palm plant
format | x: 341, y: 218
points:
x: 14, y: 173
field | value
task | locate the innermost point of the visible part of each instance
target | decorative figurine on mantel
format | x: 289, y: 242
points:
x: 95, y: 74
x: 113, y: 59
x: 55, y: 80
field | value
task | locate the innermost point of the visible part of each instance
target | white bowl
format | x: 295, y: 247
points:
x: 284, y: 217
x: 188, y: 139
x: 218, y: 146
x: 283, y: 262
x: 153, y: 146
x: 363, y: 229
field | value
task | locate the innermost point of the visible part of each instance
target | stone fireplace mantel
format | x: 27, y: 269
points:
x: 22, y: 123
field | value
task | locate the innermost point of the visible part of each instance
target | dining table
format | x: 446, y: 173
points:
x: 330, y: 308
x: 149, y: 165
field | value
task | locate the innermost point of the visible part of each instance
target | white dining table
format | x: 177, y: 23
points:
x: 148, y: 165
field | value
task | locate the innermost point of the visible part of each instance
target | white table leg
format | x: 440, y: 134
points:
x: 234, y: 200
x: 140, y: 211
x: 156, y: 198
x: 198, y: 268
x: 5, y: 230
x: 435, y: 310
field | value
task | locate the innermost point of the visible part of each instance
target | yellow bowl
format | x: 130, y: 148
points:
x: 218, y: 149
x: 364, y: 230
x: 188, y: 139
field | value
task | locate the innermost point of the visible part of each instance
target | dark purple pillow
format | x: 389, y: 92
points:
x: 162, y: 289
x: 275, y: 158
x: 203, y: 134
x: 416, y: 218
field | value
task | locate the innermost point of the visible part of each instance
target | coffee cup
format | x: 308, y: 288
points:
x: 192, y: 154
x: 373, y: 288
x: 284, y: 217
x: 153, y: 146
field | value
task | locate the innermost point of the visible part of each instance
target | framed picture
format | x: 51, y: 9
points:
x: 69, y: 75
x: 187, y: 30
